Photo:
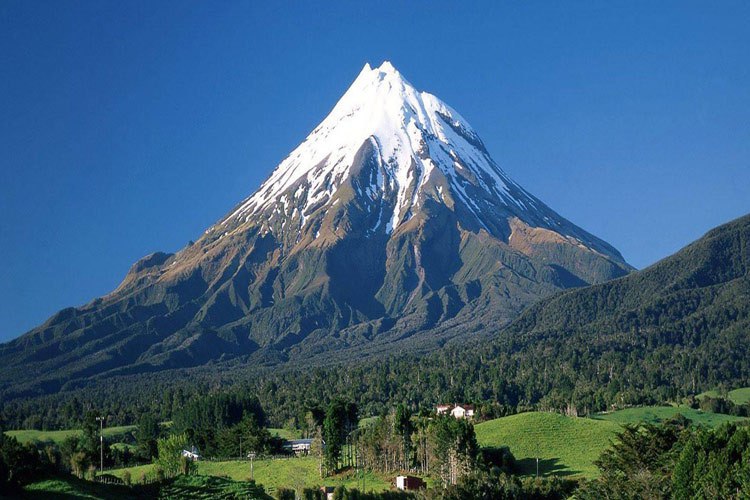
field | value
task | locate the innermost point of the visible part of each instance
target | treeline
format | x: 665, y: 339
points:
x: 721, y: 405
x: 442, y: 446
x: 509, y: 376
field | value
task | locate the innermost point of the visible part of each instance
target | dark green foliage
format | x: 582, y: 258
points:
x: 89, y: 442
x: 342, y: 493
x: 285, y: 494
x: 204, y: 419
x: 20, y: 464
x: 639, y: 463
x: 724, y: 405
x: 497, y: 459
x: 453, y: 448
x: 245, y: 437
x: 340, y: 420
x: 714, y: 464
x: 674, y: 461
x: 312, y: 494
x: 484, y: 486
x: 146, y: 436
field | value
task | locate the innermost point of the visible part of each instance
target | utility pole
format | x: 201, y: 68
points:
x: 101, y: 444
x: 252, y: 456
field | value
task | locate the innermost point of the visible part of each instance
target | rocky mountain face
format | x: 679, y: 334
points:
x: 388, y: 227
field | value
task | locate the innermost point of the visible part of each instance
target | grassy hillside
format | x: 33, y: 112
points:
x: 565, y: 446
x: 654, y: 414
x: 740, y: 396
x: 194, y: 487
x: 271, y: 474
x: 736, y: 396
x: 25, y: 436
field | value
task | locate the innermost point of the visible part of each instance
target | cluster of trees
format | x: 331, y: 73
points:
x: 225, y: 425
x: 341, y: 419
x: 396, y: 441
x: 674, y: 460
x: 498, y: 485
x: 20, y: 464
x: 722, y: 405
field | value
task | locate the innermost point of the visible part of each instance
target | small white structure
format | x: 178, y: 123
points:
x: 443, y: 409
x: 409, y: 483
x: 298, y: 446
x: 459, y: 410
x: 192, y: 454
x: 463, y: 411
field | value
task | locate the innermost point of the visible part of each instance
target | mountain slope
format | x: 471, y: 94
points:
x: 390, y: 221
x: 682, y: 323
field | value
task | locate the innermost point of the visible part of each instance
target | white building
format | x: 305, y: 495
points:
x: 456, y: 411
x: 463, y: 411
x: 409, y: 483
x: 298, y: 446
x: 192, y: 454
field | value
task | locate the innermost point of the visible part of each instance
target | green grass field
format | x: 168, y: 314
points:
x: 198, y: 487
x: 740, y: 396
x: 654, y: 414
x: 565, y: 446
x: 295, y: 472
x: 737, y: 396
x: 58, y: 437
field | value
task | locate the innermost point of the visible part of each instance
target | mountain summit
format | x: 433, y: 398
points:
x: 389, y: 227
x: 398, y: 149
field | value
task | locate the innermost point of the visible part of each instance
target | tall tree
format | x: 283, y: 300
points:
x: 146, y: 436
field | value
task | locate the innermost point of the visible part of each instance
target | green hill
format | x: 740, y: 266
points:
x: 565, y: 446
x: 655, y: 414
x: 739, y: 396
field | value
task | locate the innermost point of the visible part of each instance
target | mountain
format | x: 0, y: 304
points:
x: 388, y: 227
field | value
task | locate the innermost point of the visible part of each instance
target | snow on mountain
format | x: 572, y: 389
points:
x: 425, y: 149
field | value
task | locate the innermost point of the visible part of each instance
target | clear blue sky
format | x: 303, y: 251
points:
x: 130, y: 127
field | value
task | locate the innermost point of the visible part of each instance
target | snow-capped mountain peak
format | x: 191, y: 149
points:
x: 414, y: 133
x: 422, y: 149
